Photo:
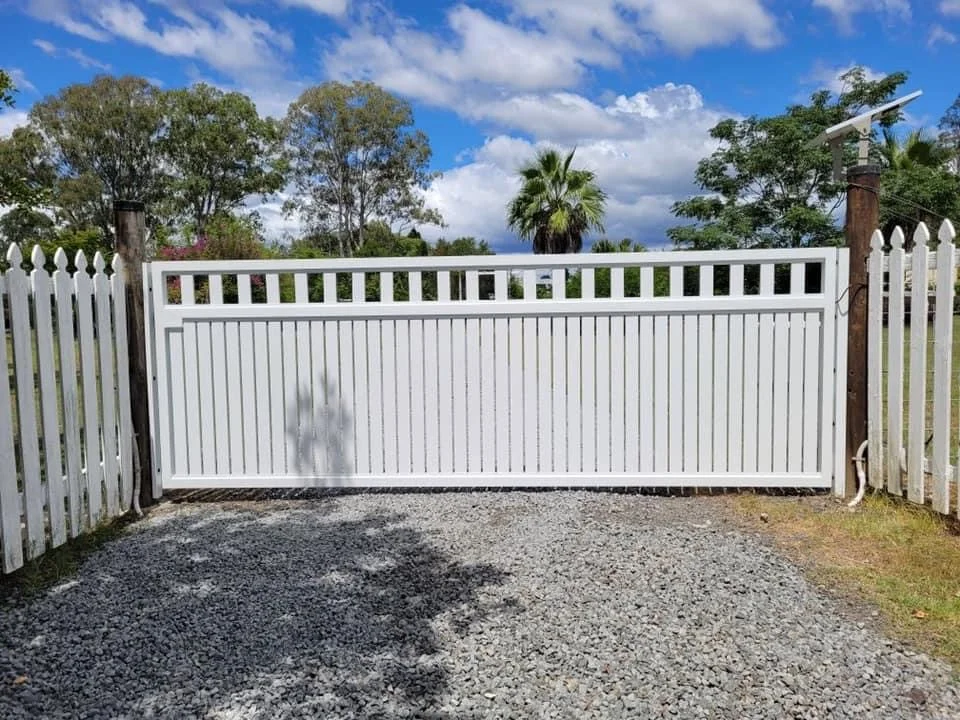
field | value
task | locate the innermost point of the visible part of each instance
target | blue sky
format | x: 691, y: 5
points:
x: 634, y: 84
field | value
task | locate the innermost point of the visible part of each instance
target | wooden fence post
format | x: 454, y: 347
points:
x: 863, y: 218
x: 130, y: 227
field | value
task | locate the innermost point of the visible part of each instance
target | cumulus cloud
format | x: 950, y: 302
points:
x: 844, y: 11
x: 645, y: 159
x: 939, y: 35
x: 950, y: 7
x: 10, y: 120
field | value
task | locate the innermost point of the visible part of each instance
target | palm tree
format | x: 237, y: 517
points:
x: 557, y: 205
x: 916, y: 150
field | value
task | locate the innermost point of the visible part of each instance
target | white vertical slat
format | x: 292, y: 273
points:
x: 488, y: 398
x: 647, y: 418
x: 501, y: 287
x: 334, y: 461
x: 348, y: 401
x: 517, y: 388
x: 837, y: 277
x: 474, y: 415
x: 234, y: 398
x: 248, y: 385
x: 108, y: 406
x: 222, y: 416
x: 559, y: 409
x: 386, y: 286
x: 458, y: 427
x: 261, y: 366
x: 388, y: 389
x: 291, y: 409
x: 574, y: 396
x: 443, y: 286
x: 9, y: 495
x: 587, y: 284
x: 431, y: 354
x: 218, y: 363
x: 303, y: 461
x: 368, y: 403
x: 721, y: 386
x: 588, y: 387
x: 502, y: 401
x: 244, y: 296
x: 812, y: 349
x: 417, y: 391
x: 795, y: 353
x: 942, y: 357
x: 370, y: 418
x: 88, y: 374
x: 358, y: 289
x: 631, y: 394
x: 207, y: 438
x: 529, y: 285
x: 415, y: 281
x: 705, y: 360
x: 276, y: 395
x: 661, y: 392
x: 403, y: 396
x: 319, y: 414
x: 330, y: 288
x: 690, y: 395
x: 473, y: 285
x: 617, y: 380
x: 738, y: 350
x: 603, y: 394
x: 895, y: 362
x: 781, y: 387
x: 917, y: 441
x: 70, y: 396
x: 18, y: 291
x: 530, y: 394
x: 544, y: 396
x: 765, y: 377
x: 876, y: 466
x: 125, y: 424
x: 675, y: 411
x: 53, y: 471
x: 751, y: 351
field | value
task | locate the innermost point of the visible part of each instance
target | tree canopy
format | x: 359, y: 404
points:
x: 355, y: 158
x: 557, y: 204
x: 763, y: 187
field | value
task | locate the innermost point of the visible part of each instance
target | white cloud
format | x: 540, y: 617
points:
x: 539, y: 46
x: 681, y: 25
x: 60, y: 13
x: 20, y: 80
x: 940, y: 35
x: 645, y: 163
x: 845, y: 10
x: 324, y: 7
x: 950, y: 7
x: 830, y: 77
x: 226, y: 41
x: 80, y: 56
x: 10, y: 120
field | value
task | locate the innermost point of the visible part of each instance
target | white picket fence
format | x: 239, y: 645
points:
x: 65, y: 429
x: 726, y: 375
x: 922, y: 460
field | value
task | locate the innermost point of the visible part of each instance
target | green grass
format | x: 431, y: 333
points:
x: 60, y: 564
x: 898, y: 557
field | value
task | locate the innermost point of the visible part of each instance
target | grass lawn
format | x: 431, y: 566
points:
x: 892, y: 555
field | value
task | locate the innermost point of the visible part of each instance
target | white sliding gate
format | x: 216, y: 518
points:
x: 644, y: 369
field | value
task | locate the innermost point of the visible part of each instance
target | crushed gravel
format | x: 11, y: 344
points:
x: 451, y: 605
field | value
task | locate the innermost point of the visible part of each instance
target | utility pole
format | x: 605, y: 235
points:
x: 129, y: 220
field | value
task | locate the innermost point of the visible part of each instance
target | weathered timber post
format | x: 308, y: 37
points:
x: 863, y: 218
x: 130, y: 226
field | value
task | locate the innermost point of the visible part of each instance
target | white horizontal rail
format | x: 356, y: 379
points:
x: 493, y: 262
x: 469, y: 480
x: 173, y: 315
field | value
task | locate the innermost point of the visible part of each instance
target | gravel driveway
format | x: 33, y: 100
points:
x: 451, y: 605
